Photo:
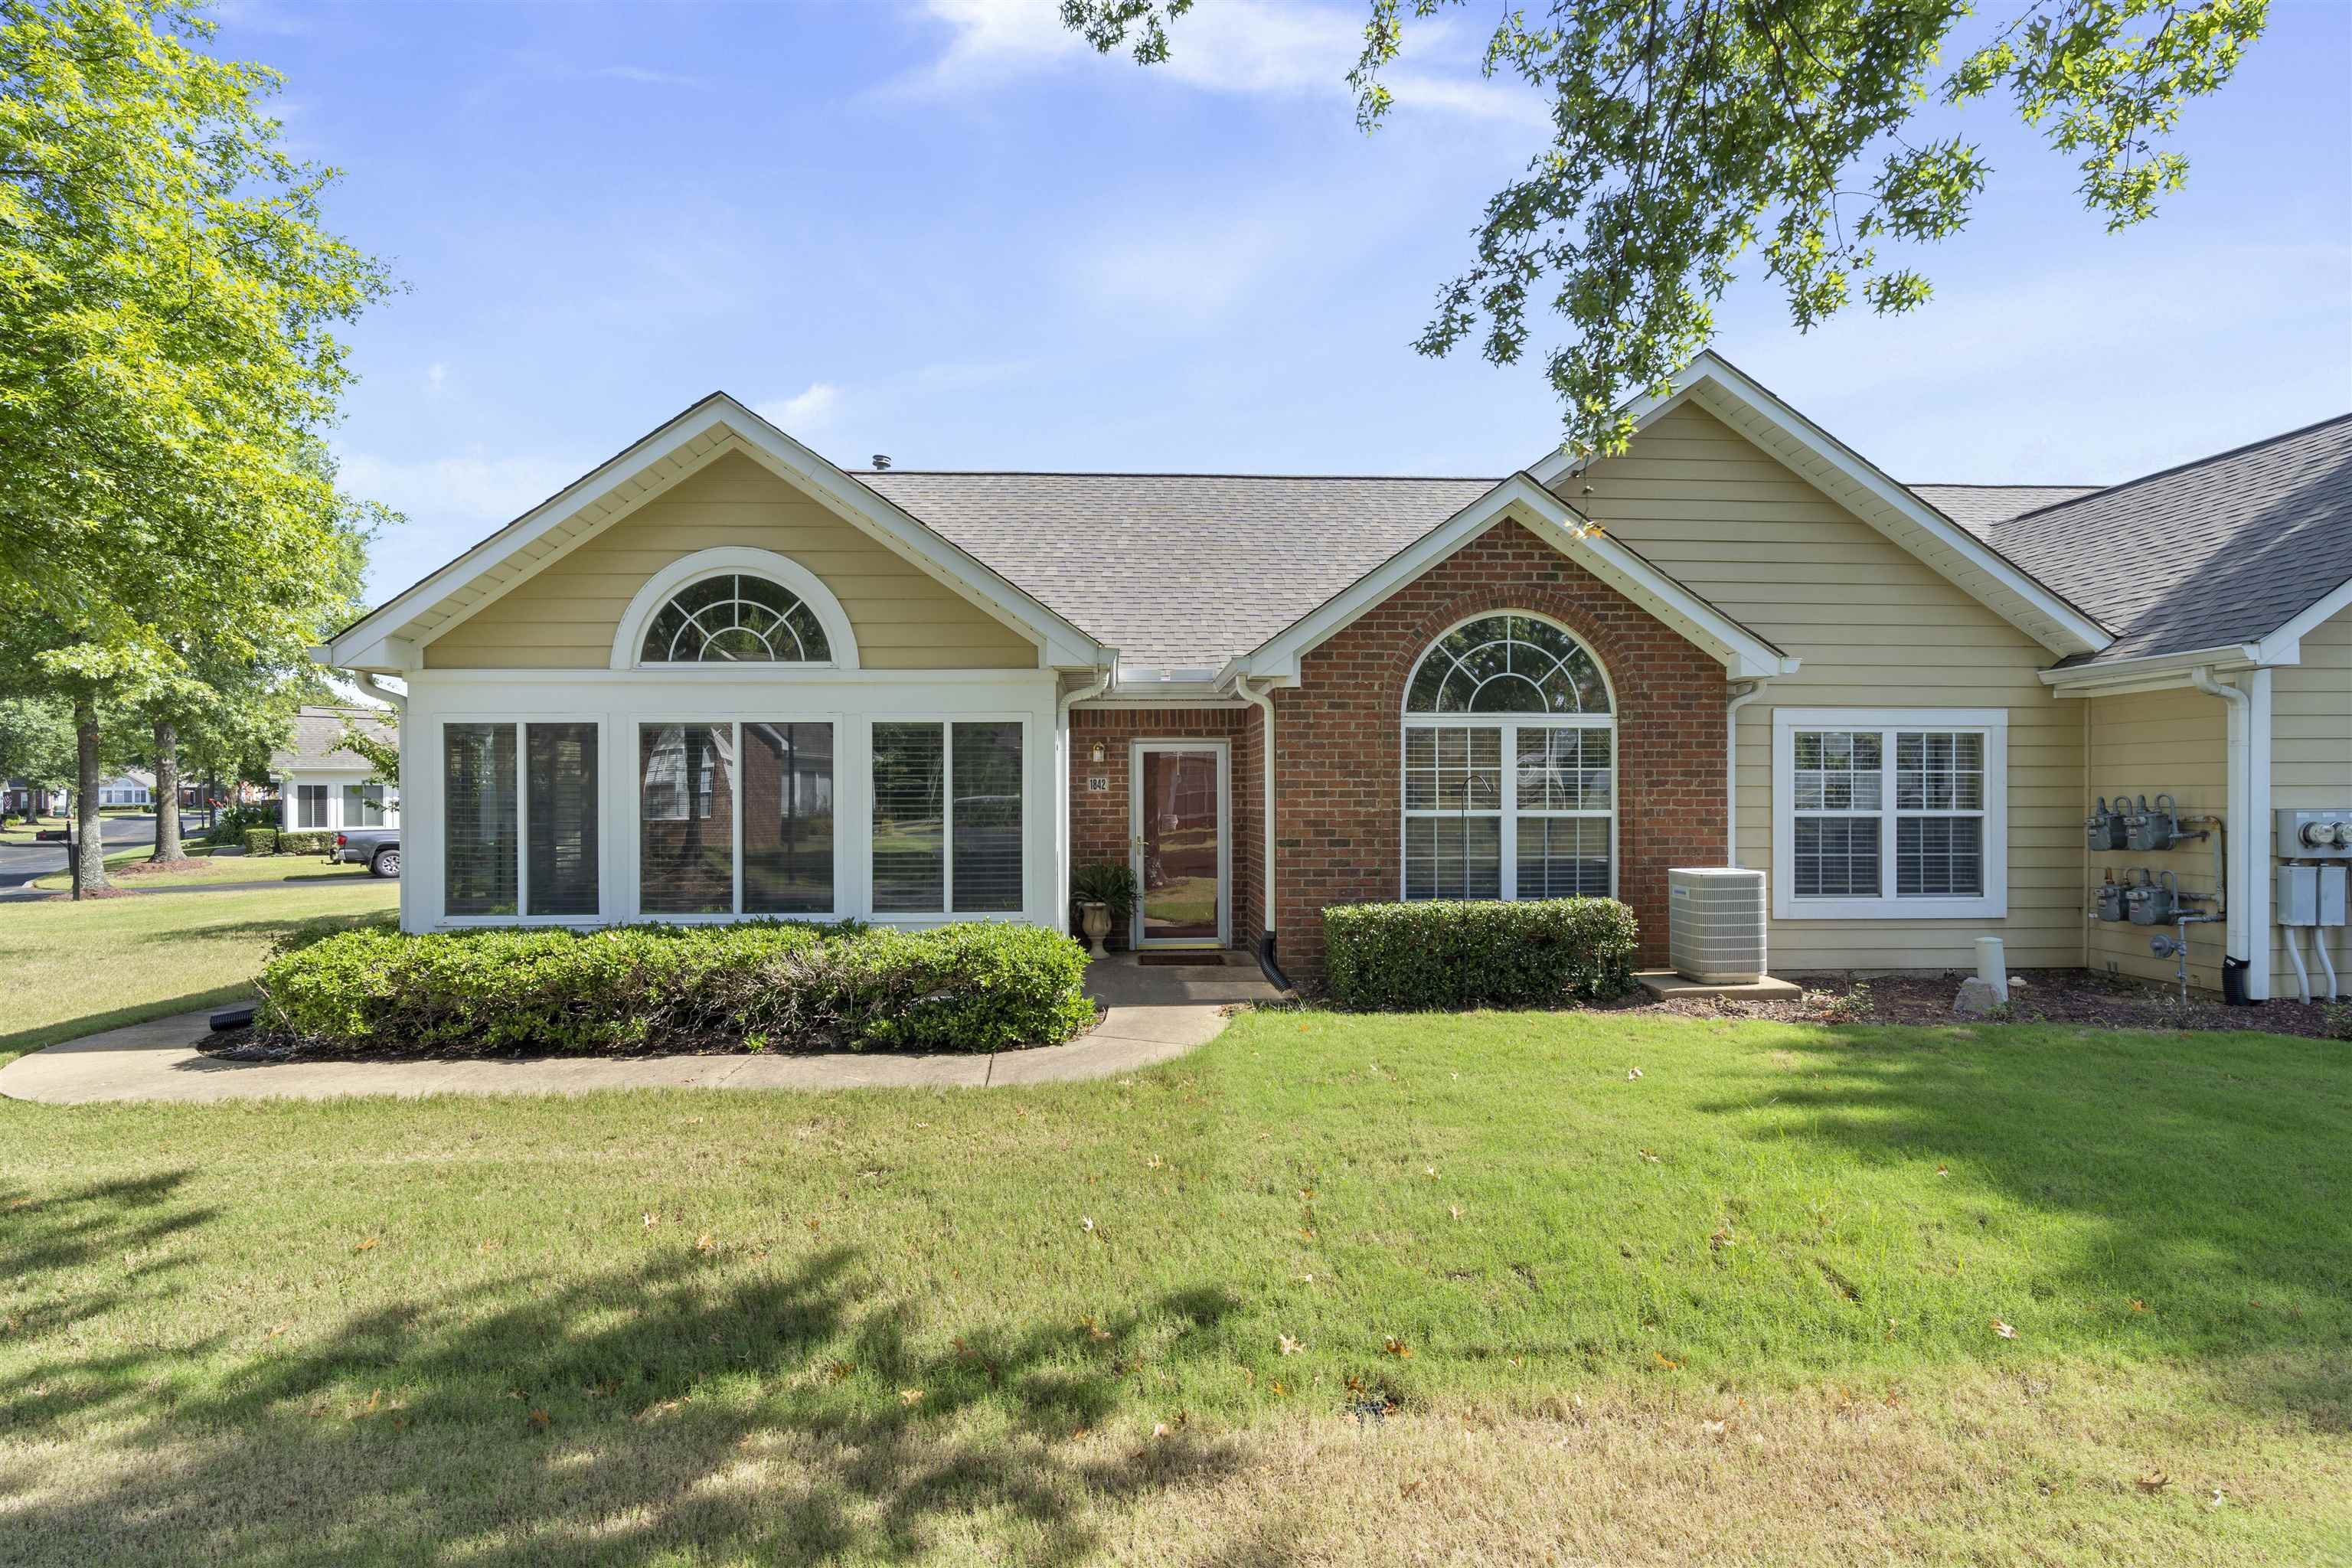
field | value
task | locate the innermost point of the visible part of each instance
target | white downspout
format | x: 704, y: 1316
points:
x: 1066, y: 762
x: 1749, y: 692
x: 1264, y: 701
x: 2258, y: 834
x: 2237, y: 939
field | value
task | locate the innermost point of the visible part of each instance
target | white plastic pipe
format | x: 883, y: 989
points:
x: 1754, y: 689
x: 2238, y: 939
x: 2294, y: 955
x: 1264, y: 700
x: 2327, y: 962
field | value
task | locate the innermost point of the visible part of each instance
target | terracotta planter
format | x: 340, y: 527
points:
x: 1095, y: 920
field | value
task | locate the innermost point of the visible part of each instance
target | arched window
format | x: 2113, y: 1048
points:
x: 734, y: 617
x: 1510, y: 763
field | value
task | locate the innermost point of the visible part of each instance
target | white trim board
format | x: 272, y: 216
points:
x: 1855, y: 483
x: 1745, y: 655
x: 1994, y: 903
x: 388, y: 639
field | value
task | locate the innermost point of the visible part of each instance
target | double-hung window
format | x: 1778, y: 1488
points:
x: 1509, y: 766
x: 1890, y: 813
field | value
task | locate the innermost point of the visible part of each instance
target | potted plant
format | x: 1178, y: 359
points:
x: 1104, y: 894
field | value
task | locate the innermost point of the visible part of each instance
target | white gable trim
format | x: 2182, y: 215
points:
x: 2285, y: 646
x: 810, y: 589
x: 1745, y: 655
x: 1851, y: 480
x: 390, y: 637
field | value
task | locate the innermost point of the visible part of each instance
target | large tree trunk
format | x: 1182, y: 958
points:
x: 88, y: 826
x: 167, y: 792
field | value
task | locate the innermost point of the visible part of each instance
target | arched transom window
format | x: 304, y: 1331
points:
x: 734, y: 617
x: 1510, y: 749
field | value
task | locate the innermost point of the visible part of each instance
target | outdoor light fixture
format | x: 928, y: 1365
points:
x: 1097, y: 752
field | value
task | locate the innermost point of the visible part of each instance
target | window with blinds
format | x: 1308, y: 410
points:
x: 310, y: 806
x: 686, y: 853
x: 1890, y: 812
x: 561, y: 773
x: 909, y: 818
x: 364, y: 805
x: 788, y: 819
x: 479, y: 826
x: 987, y: 827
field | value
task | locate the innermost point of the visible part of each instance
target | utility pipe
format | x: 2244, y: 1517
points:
x: 1095, y: 687
x: 1266, y: 828
x: 2295, y: 957
x: 2239, y: 790
x: 2319, y: 950
x: 1748, y: 691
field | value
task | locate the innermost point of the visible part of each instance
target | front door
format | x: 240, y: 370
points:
x: 1180, y: 842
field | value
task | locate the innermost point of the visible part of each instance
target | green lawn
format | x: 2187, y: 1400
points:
x: 212, y: 868
x: 68, y: 969
x: 1740, y: 1309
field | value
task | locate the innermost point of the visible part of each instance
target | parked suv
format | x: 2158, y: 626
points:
x: 377, y: 848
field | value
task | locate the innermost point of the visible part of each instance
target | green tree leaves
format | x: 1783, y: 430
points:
x: 1687, y: 134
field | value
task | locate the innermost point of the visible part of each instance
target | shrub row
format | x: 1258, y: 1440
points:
x: 758, y: 985
x: 279, y: 841
x: 1476, y: 953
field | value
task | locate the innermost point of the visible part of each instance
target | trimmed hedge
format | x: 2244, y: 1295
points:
x: 311, y: 841
x: 261, y: 841
x: 1449, y: 954
x: 758, y: 985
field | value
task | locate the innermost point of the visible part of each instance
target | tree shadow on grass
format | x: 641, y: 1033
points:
x: 2205, y: 1177
x: 678, y: 1407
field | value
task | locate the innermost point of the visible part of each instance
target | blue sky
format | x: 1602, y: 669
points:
x: 943, y: 230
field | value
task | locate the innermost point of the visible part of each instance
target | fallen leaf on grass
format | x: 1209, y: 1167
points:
x: 704, y: 1243
x: 1398, y: 1348
x: 1086, y: 1222
x: 539, y: 1418
x: 1666, y: 1362
x: 1649, y: 1157
x: 2154, y: 1482
x: 1632, y: 1073
x: 910, y: 1396
x: 1287, y: 1345
x: 2004, y: 1329
x: 1714, y: 1429
x: 1453, y: 1209
x: 1154, y: 1162
x: 1943, y: 1170
x: 369, y: 1244
x: 2139, y: 1305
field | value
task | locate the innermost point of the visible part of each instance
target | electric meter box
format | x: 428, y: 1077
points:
x: 2294, y: 898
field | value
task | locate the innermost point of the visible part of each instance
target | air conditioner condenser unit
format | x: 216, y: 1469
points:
x: 1714, y: 924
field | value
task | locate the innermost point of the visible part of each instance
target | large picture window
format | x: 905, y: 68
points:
x: 1509, y: 766
x: 1887, y: 812
x: 518, y: 819
x: 736, y: 818
x: 947, y: 817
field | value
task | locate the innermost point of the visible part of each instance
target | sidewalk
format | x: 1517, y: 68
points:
x: 1154, y: 1015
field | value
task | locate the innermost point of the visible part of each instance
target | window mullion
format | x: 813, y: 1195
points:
x: 522, y: 821
x: 1508, y: 841
x: 947, y: 817
x: 735, y: 788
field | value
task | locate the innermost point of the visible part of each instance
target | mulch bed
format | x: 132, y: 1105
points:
x: 2044, y: 997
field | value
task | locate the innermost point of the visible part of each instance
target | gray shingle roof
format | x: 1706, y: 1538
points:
x: 2220, y: 551
x: 318, y: 736
x: 1179, y: 571
x: 1978, y: 507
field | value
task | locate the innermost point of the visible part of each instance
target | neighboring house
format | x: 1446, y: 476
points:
x: 134, y: 786
x: 19, y: 797
x: 322, y: 785
x: 719, y: 677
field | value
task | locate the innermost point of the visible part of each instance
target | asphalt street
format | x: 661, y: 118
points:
x: 20, y: 863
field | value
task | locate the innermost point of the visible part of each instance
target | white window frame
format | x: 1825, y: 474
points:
x: 604, y: 830
x: 733, y: 723
x: 947, y: 817
x: 729, y: 561
x: 1509, y: 724
x: 1992, y: 723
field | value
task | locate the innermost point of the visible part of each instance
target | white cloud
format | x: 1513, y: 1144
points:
x: 1272, y: 47
x: 436, y: 379
x: 803, y: 411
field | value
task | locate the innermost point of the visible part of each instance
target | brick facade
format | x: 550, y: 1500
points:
x: 1099, y: 826
x: 1339, y: 739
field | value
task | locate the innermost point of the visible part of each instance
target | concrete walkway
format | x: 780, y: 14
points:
x: 1153, y: 1015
